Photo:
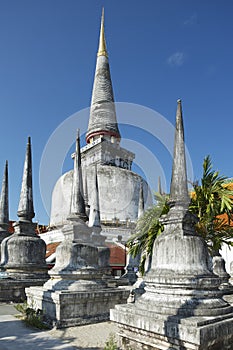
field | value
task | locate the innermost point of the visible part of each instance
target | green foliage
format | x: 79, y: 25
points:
x: 111, y: 343
x: 147, y: 229
x: 31, y: 317
x: 212, y: 198
x: 21, y: 307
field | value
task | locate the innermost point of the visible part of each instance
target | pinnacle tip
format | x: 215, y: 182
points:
x: 102, y: 50
x: 179, y: 100
x: 29, y: 140
x: 102, y: 16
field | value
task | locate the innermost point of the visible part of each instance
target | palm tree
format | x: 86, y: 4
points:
x: 211, y: 202
x: 147, y: 229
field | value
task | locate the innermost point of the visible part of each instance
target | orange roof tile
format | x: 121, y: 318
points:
x: 117, y: 255
x: 51, y: 248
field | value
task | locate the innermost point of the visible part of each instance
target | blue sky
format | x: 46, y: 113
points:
x: 159, y: 51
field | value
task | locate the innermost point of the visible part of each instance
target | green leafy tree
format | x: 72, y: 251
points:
x: 147, y: 229
x: 211, y: 201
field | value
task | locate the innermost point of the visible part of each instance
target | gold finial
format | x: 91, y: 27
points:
x: 102, y: 51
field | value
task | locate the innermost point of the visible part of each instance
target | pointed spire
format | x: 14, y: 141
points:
x: 103, y: 121
x: 159, y: 186
x: 94, y: 216
x: 4, y: 205
x: 26, y: 208
x: 102, y: 51
x: 77, y: 200
x: 141, y: 201
x: 179, y: 188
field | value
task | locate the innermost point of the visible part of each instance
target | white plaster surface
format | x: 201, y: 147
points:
x: 118, y: 194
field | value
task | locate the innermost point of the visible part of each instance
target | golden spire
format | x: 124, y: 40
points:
x: 102, y: 51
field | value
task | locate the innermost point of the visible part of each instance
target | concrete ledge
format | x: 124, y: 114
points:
x: 160, y: 332
x: 71, y: 308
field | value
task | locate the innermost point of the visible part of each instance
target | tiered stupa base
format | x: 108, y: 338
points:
x: 182, y: 307
x: 77, y: 292
x: 175, y: 317
x: 23, y: 260
x: 71, y: 308
x: 154, y: 331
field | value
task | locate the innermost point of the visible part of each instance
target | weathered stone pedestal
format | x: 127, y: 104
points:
x: 23, y: 259
x: 23, y: 253
x: 77, y: 292
x: 182, y: 307
x: 71, y: 308
x: 159, y: 332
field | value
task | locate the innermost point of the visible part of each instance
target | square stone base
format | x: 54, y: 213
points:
x: 14, y: 290
x: 72, y: 308
x: 143, y: 330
